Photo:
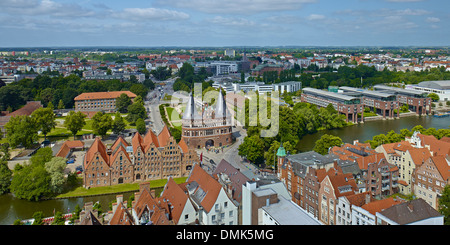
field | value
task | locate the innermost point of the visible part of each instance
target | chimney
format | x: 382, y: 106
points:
x: 367, y: 198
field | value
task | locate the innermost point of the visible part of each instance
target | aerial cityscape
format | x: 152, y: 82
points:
x: 224, y: 113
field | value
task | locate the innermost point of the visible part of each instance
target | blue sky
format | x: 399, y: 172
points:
x: 34, y: 23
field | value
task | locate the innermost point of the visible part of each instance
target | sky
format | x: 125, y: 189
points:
x: 214, y: 23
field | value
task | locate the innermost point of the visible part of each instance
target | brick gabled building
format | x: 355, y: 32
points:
x: 331, y: 188
x: 149, y: 157
x: 430, y: 178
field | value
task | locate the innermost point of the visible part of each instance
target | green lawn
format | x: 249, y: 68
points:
x: 81, y: 191
x: 61, y: 131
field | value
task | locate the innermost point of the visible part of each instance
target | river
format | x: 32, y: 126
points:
x: 12, y: 208
x: 365, y: 131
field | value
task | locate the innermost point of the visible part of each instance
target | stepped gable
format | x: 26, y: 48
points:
x: 96, y: 147
x: 164, y: 136
x: 137, y: 142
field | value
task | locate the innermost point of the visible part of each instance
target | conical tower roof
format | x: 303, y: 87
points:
x: 190, y: 112
x: 221, y: 106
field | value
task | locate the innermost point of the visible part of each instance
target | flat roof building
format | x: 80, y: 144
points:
x: 441, y: 88
x: 350, y: 106
x: 416, y: 100
x: 382, y: 103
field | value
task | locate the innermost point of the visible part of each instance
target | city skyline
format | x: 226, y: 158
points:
x: 42, y: 23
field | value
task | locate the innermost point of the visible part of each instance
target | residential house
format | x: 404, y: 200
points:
x: 183, y: 211
x: 415, y: 212
x: 382, y: 178
x: 345, y: 203
x: 366, y: 214
x: 257, y: 194
x: 120, y: 214
x: 231, y: 180
x: 210, y: 199
x: 430, y: 178
x: 149, y: 210
x: 332, y: 187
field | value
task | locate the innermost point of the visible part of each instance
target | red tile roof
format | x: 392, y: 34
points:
x: 208, y: 184
x: 103, y: 95
x: 380, y: 205
x: 177, y: 197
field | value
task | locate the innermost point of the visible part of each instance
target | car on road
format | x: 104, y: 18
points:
x: 212, y: 162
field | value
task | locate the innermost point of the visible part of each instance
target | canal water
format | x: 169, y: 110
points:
x: 365, y: 131
x: 12, y: 208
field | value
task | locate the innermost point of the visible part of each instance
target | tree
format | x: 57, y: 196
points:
x: 61, y: 105
x: 269, y: 155
x: 42, y: 156
x: 5, y: 177
x: 101, y: 123
x: 122, y: 102
x: 136, y: 111
x: 32, y: 183
x: 444, y: 204
x: 21, y: 130
x: 59, y: 219
x: 325, y: 142
x: 139, y: 89
x: 38, y: 218
x: 434, y: 97
x: 140, y: 126
x: 118, y: 125
x: 55, y: 168
x: 253, y: 149
x: 44, y: 119
x: 75, y: 122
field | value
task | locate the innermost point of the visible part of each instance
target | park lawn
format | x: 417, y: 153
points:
x: 81, y: 191
x: 173, y: 114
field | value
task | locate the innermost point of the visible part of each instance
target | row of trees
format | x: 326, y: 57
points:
x: 43, y: 177
x: 23, y: 130
x: 62, y: 90
x: 393, y: 137
x: 294, y: 123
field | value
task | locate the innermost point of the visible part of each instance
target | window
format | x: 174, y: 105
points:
x: 186, y: 217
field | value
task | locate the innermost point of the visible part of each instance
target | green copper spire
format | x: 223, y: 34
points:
x: 281, y: 151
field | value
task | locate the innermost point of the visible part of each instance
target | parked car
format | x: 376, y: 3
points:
x: 70, y: 161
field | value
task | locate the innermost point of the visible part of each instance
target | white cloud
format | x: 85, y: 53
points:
x: 315, y: 17
x: 238, y: 22
x: 43, y: 7
x: 237, y: 6
x: 432, y: 20
x: 138, y: 14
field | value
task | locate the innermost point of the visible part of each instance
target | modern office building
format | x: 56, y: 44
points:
x: 348, y: 105
x: 441, y: 88
x: 416, y: 100
x: 383, y: 104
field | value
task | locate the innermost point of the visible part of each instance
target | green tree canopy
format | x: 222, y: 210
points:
x: 21, y: 130
x: 101, y: 123
x: 140, y: 126
x: 74, y: 122
x: 122, y: 102
x: 325, y: 142
x: 444, y: 204
x: 253, y: 149
x: 136, y: 111
x: 118, y: 125
x: 44, y: 119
